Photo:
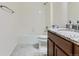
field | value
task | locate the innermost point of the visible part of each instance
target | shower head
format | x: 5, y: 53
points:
x: 45, y: 3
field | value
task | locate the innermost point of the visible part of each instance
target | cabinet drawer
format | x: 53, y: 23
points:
x: 65, y: 45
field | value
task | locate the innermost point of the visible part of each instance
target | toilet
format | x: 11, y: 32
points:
x: 42, y: 39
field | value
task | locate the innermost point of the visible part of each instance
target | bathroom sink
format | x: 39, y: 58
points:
x: 71, y: 34
x: 61, y: 29
x: 65, y: 29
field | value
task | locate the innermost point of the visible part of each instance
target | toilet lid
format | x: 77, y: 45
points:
x: 42, y: 37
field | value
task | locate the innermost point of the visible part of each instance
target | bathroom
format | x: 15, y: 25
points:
x: 24, y: 26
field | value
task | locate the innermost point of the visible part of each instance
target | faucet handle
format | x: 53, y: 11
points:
x: 77, y: 21
x: 70, y: 22
x: 46, y: 27
x: 74, y: 27
x: 55, y: 26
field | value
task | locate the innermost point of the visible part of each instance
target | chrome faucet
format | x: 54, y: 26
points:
x: 77, y: 25
x: 69, y: 25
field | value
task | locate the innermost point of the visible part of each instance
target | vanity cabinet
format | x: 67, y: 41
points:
x: 50, y: 46
x: 59, y: 46
x: 59, y: 52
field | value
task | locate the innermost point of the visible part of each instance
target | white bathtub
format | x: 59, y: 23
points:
x: 39, y: 42
x: 27, y: 39
x: 30, y: 38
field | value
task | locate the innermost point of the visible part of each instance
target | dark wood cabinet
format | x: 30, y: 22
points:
x: 58, y: 46
x: 59, y: 52
x: 50, y: 49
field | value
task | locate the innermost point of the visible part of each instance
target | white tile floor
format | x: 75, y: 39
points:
x: 26, y: 50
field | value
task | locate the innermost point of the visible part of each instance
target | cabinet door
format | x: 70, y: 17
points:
x: 59, y: 52
x: 50, y: 48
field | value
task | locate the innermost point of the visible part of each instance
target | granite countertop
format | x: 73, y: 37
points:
x: 65, y: 34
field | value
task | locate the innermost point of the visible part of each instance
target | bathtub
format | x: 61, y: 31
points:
x: 30, y: 38
x: 39, y: 42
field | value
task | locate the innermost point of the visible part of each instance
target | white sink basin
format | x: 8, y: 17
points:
x: 60, y: 29
x: 71, y: 34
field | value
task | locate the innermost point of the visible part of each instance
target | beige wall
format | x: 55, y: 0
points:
x: 73, y: 11
x: 60, y: 13
x: 64, y: 11
x: 33, y: 17
x: 8, y: 29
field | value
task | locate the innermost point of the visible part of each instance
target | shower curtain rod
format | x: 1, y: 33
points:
x: 2, y: 6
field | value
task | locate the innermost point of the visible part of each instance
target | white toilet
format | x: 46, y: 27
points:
x: 42, y: 44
